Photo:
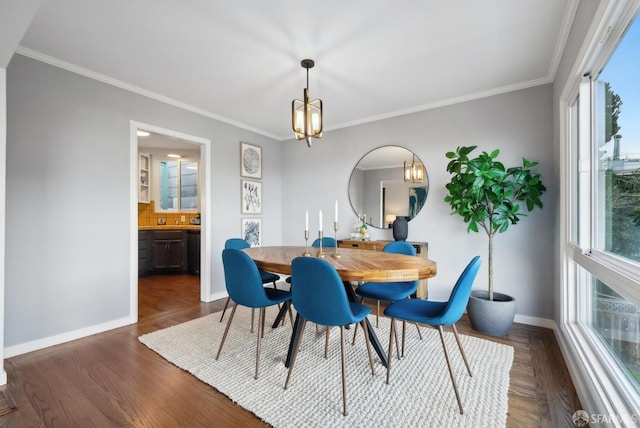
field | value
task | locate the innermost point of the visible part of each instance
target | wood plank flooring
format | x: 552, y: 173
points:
x: 110, y: 379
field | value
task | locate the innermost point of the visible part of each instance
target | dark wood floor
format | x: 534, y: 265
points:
x: 110, y: 379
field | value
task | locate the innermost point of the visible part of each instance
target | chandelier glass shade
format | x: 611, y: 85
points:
x: 306, y: 115
x: 413, y: 171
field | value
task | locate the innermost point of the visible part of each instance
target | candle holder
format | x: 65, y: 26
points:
x: 306, y: 244
x: 335, y: 230
x: 320, y: 252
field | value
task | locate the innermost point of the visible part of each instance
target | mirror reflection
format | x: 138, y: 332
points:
x: 387, y: 182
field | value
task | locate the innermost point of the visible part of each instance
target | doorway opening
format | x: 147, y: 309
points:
x: 170, y: 194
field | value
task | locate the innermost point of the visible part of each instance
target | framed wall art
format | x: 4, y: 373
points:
x: 251, y: 199
x: 252, y: 231
x: 417, y: 198
x: 250, y: 160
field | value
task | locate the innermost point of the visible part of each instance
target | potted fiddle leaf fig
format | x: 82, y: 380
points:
x: 491, y: 198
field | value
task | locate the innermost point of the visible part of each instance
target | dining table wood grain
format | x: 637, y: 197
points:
x: 352, y: 265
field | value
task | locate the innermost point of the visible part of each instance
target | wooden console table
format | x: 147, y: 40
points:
x: 422, y: 250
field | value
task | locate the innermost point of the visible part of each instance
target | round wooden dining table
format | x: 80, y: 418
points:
x: 351, y: 265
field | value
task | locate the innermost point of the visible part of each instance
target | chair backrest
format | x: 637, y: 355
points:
x: 327, y: 242
x: 400, y: 247
x: 242, y: 279
x: 460, y: 293
x: 318, y: 293
x: 236, y: 244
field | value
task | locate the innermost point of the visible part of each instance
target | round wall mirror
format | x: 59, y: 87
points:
x: 387, y: 182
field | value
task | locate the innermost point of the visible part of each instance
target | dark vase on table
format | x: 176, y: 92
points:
x: 400, y: 228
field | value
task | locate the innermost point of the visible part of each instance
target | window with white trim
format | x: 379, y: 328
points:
x: 603, y: 214
x: 178, y: 185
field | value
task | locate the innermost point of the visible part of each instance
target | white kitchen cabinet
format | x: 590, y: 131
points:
x: 144, y: 172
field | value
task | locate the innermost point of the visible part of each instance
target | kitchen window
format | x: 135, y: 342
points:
x: 178, y: 185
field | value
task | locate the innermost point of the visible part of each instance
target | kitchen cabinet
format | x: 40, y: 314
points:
x: 169, y: 251
x: 144, y: 259
x: 193, y: 247
x: 144, y: 176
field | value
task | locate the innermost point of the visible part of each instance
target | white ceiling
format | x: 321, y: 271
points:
x: 239, y: 61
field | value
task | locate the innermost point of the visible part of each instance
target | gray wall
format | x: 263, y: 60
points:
x: 68, y: 200
x: 520, y: 124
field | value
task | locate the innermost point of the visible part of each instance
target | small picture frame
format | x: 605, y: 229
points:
x: 252, y: 231
x: 251, y: 197
x: 250, y: 160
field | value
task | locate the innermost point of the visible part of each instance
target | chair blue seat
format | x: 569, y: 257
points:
x: 389, y: 291
x: 268, y: 277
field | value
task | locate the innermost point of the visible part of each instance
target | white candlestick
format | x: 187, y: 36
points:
x: 336, y: 216
x: 306, y: 220
x: 320, y: 221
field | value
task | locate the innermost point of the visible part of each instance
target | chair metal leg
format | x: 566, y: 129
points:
x: 226, y: 304
x: 275, y: 287
x: 253, y: 315
x: 453, y: 378
x: 226, y: 330
x: 404, y: 335
x: 290, y: 313
x: 395, y: 335
x: 392, y: 331
x: 326, y: 342
x: 261, y: 314
x: 368, y: 342
x: 377, y: 312
x: 417, y: 327
x: 355, y: 330
x: 419, y: 332
x: 296, y: 347
x: 344, y: 374
x: 464, y: 357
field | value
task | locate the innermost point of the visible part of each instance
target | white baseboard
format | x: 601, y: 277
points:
x: 35, y: 345
x: 538, y: 322
x: 216, y: 296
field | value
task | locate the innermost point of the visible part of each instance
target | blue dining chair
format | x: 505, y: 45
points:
x: 438, y: 314
x: 266, y: 277
x: 327, y: 242
x: 319, y: 296
x: 390, y: 291
x: 245, y: 288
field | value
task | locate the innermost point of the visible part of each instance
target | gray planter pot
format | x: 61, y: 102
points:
x: 493, y: 318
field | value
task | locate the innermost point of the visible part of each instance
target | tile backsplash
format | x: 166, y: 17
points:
x: 147, y: 216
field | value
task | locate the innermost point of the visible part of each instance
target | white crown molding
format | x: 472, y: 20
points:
x: 565, y: 30
x: 444, y: 103
x: 135, y: 89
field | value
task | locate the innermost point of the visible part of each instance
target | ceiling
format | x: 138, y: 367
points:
x: 239, y: 62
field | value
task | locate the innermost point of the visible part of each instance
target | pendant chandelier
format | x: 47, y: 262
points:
x: 413, y: 171
x: 306, y: 115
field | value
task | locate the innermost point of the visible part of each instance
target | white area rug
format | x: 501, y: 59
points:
x: 419, y: 395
